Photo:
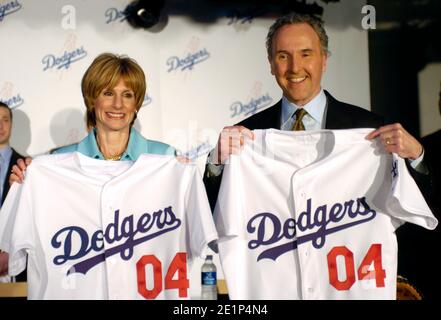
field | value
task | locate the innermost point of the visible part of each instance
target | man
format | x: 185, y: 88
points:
x: 8, y: 157
x: 297, y: 48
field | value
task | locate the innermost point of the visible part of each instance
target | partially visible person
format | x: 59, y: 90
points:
x: 8, y: 157
x: 432, y: 145
x: 418, y: 261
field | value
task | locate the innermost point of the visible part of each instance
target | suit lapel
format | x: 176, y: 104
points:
x: 335, y: 117
x: 14, y: 158
x: 275, y: 116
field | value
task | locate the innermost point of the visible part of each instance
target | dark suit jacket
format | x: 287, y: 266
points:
x: 14, y: 157
x: 432, y: 149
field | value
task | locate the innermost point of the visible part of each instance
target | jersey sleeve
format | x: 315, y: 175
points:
x: 15, y: 227
x: 202, y: 232
x: 405, y: 200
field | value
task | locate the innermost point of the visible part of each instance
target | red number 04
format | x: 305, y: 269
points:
x: 372, y: 256
x: 178, y: 264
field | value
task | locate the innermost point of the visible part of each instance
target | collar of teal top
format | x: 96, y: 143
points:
x: 90, y: 148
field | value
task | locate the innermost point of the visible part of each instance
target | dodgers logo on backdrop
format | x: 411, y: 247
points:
x: 278, y: 236
x: 9, y: 8
x: 13, y: 102
x: 75, y: 242
x: 51, y: 61
x: 255, y: 104
x: 113, y: 14
x: 188, y: 61
x: 10, y: 97
x: 246, y: 16
x: 198, y: 151
x: 147, y: 100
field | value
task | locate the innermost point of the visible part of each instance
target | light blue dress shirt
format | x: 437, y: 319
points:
x: 313, y: 120
x: 137, y: 145
x: 5, y: 158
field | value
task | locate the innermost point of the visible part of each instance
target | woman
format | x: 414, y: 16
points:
x: 113, y: 89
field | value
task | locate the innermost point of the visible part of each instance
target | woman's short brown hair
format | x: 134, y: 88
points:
x: 105, y: 72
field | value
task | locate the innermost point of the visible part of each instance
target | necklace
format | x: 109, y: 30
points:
x: 115, y: 157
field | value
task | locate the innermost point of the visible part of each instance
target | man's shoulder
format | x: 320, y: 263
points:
x: 362, y: 112
x: 345, y: 115
x: 15, y: 155
x: 432, y: 141
x: 265, y: 119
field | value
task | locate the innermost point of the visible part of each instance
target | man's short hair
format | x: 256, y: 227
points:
x: 296, y: 18
x: 4, y: 105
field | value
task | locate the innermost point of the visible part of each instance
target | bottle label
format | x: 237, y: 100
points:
x: 208, y: 278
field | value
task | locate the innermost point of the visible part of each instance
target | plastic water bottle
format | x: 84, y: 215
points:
x: 209, y: 279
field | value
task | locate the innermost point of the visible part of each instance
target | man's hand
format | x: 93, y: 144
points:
x: 397, y: 140
x: 17, y: 172
x: 230, y: 141
x: 4, y: 258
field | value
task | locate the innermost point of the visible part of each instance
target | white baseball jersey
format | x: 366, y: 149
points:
x: 95, y: 229
x: 312, y: 215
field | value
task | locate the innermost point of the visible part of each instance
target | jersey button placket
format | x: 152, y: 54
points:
x: 107, y: 217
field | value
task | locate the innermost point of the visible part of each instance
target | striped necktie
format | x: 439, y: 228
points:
x: 298, y: 124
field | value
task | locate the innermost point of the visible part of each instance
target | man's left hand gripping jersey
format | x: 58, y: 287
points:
x: 94, y: 229
x: 312, y: 215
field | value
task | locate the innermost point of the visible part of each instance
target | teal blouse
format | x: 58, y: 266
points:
x: 137, y: 146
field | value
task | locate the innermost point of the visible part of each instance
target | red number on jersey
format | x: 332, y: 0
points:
x: 372, y: 256
x: 157, y: 276
x: 178, y: 264
x: 349, y: 265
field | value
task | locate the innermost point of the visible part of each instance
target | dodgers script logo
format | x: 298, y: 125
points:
x: 322, y: 218
x: 14, y: 102
x: 9, y: 96
x: 125, y: 234
x: 147, y: 100
x: 238, y: 108
x: 247, y: 16
x: 188, y: 61
x: 198, y: 151
x: 113, y: 14
x: 50, y: 61
x: 9, y: 8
